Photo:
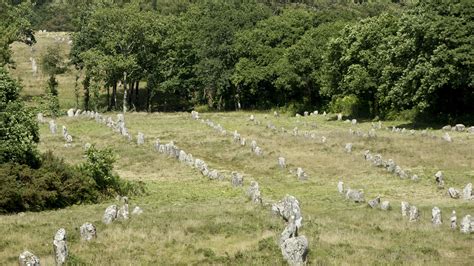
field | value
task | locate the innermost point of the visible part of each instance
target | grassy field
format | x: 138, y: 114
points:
x: 189, y: 219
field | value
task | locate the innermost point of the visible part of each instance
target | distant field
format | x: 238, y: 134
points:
x: 34, y: 85
x: 189, y: 219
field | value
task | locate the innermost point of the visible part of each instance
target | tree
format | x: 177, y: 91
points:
x: 18, y: 128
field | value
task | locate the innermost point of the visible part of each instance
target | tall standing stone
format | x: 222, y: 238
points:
x: 287, y: 208
x: 253, y: 145
x: 123, y: 212
x: 436, y: 216
x: 340, y: 187
x: 237, y: 179
x: 385, y: 205
x: 53, y: 127
x: 27, y: 258
x: 300, y: 173
x: 253, y: 192
x: 348, y: 147
x: 295, y: 250
x: 339, y: 117
x: 110, y: 214
x: 467, y: 192
x: 405, y: 208
x: 466, y: 226
x: 70, y: 112
x: 88, y: 232
x: 60, y: 247
x: 453, y: 220
x: 140, y: 138
x: 439, y: 178
x: 414, y: 214
x: 282, y: 162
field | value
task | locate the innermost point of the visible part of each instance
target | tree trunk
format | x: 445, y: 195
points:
x: 114, y: 95
x: 130, y: 93
x: 86, y: 83
x: 108, y: 98
x: 137, y: 84
x: 148, y: 98
x: 124, y: 92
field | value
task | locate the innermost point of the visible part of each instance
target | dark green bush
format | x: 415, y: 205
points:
x: 54, y: 184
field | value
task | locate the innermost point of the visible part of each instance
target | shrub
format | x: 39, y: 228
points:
x: 54, y: 184
x: 349, y: 105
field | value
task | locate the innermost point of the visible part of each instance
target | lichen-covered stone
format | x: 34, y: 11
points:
x: 88, y: 232
x: 27, y: 258
x: 60, y: 247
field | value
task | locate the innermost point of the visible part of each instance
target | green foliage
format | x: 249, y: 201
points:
x: 14, y: 26
x: 349, y: 105
x: 18, y: 127
x: 53, y: 185
x: 99, y: 168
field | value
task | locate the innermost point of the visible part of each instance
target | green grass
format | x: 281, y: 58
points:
x: 188, y: 219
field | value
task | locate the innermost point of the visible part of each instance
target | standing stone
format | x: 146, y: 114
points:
x: 40, y: 118
x: 65, y: 132
x: 355, y: 195
x: 453, y: 193
x: 405, y: 208
x: 123, y: 213
x: 340, y: 187
x: 348, y: 147
x: 295, y: 131
x: 323, y: 139
x: 446, y: 128
x: 436, y: 216
x: 460, y: 127
x: 282, y: 162
x: 354, y: 121
x: 439, y: 177
x: 253, y: 192
x: 295, y: 250
x: 414, y: 214
x: 471, y: 130
x: 258, y: 151
x: 243, y: 142
x: 253, y: 145
x: 467, y: 192
x: 385, y: 205
x: 137, y: 211
x: 53, y: 127
x: 70, y: 112
x: 306, y: 113
x: 301, y: 174
x: 182, y: 156
x: 275, y: 114
x: 339, y: 117
x: 453, y: 220
x: 466, y: 226
x: 60, y: 247
x: 391, y: 166
x: 237, y: 179
x: 289, y: 208
x: 27, y: 258
x: 415, y: 178
x: 140, y: 138
x: 110, y: 214
x: 77, y: 113
x: 88, y: 232
x: 236, y: 137
x: 447, y: 137
x: 374, y: 203
x: 252, y: 118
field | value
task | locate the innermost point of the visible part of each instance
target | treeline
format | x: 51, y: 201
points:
x: 363, y: 58
x: 222, y: 54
